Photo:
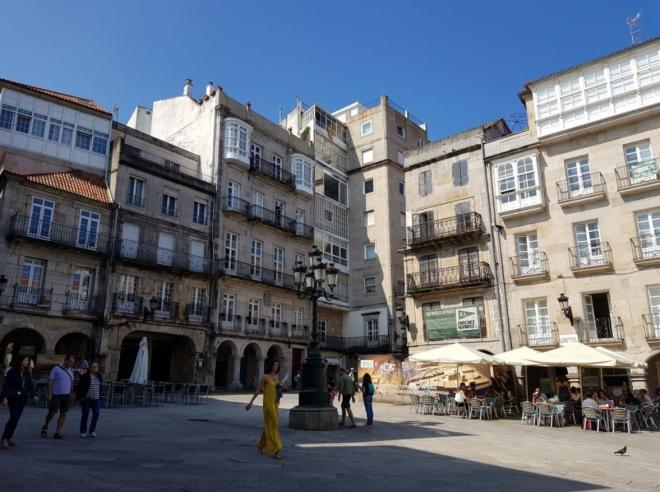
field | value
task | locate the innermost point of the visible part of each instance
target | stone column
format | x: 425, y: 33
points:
x: 260, y: 368
x: 638, y: 379
x: 574, y: 377
x: 235, y: 367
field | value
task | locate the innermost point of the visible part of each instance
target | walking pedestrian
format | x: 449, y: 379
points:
x: 368, y: 391
x: 17, y: 388
x: 347, y: 392
x: 60, y: 391
x: 269, y: 385
x: 89, y: 396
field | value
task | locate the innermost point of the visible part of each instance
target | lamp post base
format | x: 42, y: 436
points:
x: 314, y: 418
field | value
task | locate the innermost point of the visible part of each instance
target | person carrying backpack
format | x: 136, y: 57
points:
x: 368, y: 391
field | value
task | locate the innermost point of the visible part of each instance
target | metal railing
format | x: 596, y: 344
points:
x: 256, y: 273
x: 590, y: 185
x: 605, y: 329
x: 465, y: 225
x: 652, y: 326
x: 270, y: 170
x: 597, y: 254
x: 151, y: 254
x: 166, y: 310
x: 364, y: 343
x: 638, y: 174
x: 473, y: 274
x: 301, y: 230
x: 129, y: 304
x: 278, y: 328
x: 255, y: 326
x: 269, y: 217
x: 531, y: 264
x: 144, y: 158
x: 197, y: 312
x: 300, y: 332
x: 230, y: 323
x: 235, y: 205
x: 76, y: 303
x: 645, y: 247
x: 541, y: 334
x: 30, y: 296
x: 135, y: 200
x: 54, y: 233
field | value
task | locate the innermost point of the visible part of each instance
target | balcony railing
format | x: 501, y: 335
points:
x: 76, y: 303
x: 638, y: 177
x: 540, y: 334
x: 601, y: 330
x: 652, y: 326
x: 531, y: 265
x: 590, y: 187
x: 230, y: 323
x: 274, y: 219
x: 151, y: 255
x: 197, y: 312
x: 646, y: 249
x: 356, y: 344
x: 270, y: 170
x: 255, y: 326
x: 594, y: 256
x: 79, y: 238
x: 256, y: 273
x: 457, y: 229
x: 235, y: 205
x: 451, y: 278
x: 166, y: 311
x: 127, y: 304
x: 300, y: 332
x: 33, y: 297
x: 301, y: 230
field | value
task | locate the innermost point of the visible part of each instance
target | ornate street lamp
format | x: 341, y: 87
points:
x: 314, y: 411
x: 402, y: 317
x: 565, y: 307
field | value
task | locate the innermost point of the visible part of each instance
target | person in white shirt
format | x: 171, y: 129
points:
x: 590, y: 402
x: 645, y: 398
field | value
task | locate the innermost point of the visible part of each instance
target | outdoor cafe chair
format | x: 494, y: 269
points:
x: 489, y: 409
x: 569, y: 412
x: 118, y: 395
x: 203, y: 393
x: 415, y: 402
x: 159, y: 393
x: 176, y: 392
x: 528, y: 411
x: 546, y: 412
x: 106, y: 392
x: 499, y: 407
x: 441, y: 404
x: 621, y: 416
x: 594, y: 416
x: 475, y: 408
x: 636, y: 415
x: 648, y: 414
x: 190, y: 394
x: 427, y: 404
x: 511, y: 406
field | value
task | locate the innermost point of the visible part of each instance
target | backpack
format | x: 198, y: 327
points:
x: 371, y: 389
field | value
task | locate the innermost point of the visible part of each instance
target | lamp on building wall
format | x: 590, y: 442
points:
x: 402, y: 317
x: 565, y: 307
x: 3, y: 283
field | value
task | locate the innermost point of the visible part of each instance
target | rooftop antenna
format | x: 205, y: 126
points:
x: 115, y: 112
x: 632, y: 26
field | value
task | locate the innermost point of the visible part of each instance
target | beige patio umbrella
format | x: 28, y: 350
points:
x: 520, y: 357
x: 579, y: 355
x: 622, y: 358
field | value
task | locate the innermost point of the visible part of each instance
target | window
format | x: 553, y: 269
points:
x: 80, y: 290
x: 164, y: 299
x: 254, y: 311
x: 168, y: 205
x: 335, y: 250
x: 322, y: 326
x: 255, y: 154
x: 278, y: 264
x: 231, y: 251
x: 400, y: 157
x: 529, y: 256
x: 197, y: 308
x: 578, y: 177
x: 369, y: 285
x: 41, y: 218
x: 654, y: 303
x: 402, y: 219
x: 537, y: 321
x: 367, y: 156
x: 371, y: 329
x: 276, y: 309
x: 425, y: 186
x: 23, y: 121
x: 88, y: 229
x: 30, y: 286
x: 588, y: 244
x: 256, y: 256
x: 277, y: 164
x: 130, y: 237
x: 83, y: 138
x: 402, y: 188
x: 303, y: 172
x: 335, y: 189
x: 327, y: 215
x: 517, y: 184
x: 459, y: 172
x: 648, y: 68
x: 228, y: 307
x: 165, y: 252
x: 299, y: 317
x: 370, y: 251
x: 136, y: 191
x: 421, y: 142
x: 54, y: 130
x: 401, y: 131
x: 370, y: 218
x: 368, y: 186
x: 640, y: 163
x: 196, y: 257
x: 366, y: 128
x: 199, y: 212
x: 126, y: 298
x: 7, y: 116
x: 67, y: 133
x: 237, y: 137
x: 648, y: 229
x: 299, y: 259
x: 100, y: 143
x: 479, y: 302
x: 39, y: 125
x: 621, y: 77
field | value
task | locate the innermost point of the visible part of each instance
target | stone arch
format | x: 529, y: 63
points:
x: 652, y: 372
x: 252, y: 355
x: 225, y: 354
x: 21, y: 341
x: 75, y: 343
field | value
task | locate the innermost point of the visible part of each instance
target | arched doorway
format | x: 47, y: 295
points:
x: 171, y: 357
x: 653, y: 374
x: 249, y: 369
x: 77, y: 344
x: 224, y: 368
x: 275, y: 352
x: 22, y: 341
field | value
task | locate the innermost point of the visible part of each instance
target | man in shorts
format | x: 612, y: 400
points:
x: 60, y: 391
x: 347, y: 392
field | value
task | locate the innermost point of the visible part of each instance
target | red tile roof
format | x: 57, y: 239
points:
x: 80, y: 101
x: 77, y: 182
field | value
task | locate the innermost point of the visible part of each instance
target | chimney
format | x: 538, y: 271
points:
x: 209, y: 89
x: 187, y: 88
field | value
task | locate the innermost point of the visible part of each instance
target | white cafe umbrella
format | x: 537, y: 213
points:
x: 520, y: 357
x: 579, y: 355
x: 623, y: 359
x: 455, y: 353
x: 141, y: 367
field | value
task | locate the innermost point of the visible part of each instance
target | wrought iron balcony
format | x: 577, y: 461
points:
x: 458, y: 229
x: 278, y: 329
x: 638, y: 177
x: 135, y: 200
x: 197, y: 312
x: 274, y: 219
x: 79, y: 238
x: 166, y: 311
x: 601, y: 330
x: 450, y: 278
x: 652, y: 326
x: 532, y: 266
x: 591, y: 187
x: 230, y: 323
x: 593, y: 258
x: 27, y: 296
x: 300, y: 332
x: 76, y: 303
x: 255, y: 326
x: 301, y: 230
x: 375, y: 343
x: 646, y: 250
x: 255, y: 273
x: 541, y: 334
x: 146, y: 254
x: 232, y: 204
x: 127, y: 304
x: 274, y: 172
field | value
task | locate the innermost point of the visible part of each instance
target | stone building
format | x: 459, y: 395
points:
x: 56, y: 219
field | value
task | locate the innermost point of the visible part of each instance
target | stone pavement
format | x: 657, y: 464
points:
x: 213, y: 447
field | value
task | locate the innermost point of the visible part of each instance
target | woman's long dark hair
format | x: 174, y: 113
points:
x: 366, y: 379
x: 17, y: 362
x: 271, y: 363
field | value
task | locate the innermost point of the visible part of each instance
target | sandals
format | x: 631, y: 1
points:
x: 44, y: 432
x: 58, y: 435
x: 278, y: 456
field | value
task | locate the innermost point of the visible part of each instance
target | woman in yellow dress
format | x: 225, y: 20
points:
x: 270, y: 441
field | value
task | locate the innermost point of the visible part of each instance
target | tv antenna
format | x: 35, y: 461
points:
x: 632, y: 26
x: 115, y: 112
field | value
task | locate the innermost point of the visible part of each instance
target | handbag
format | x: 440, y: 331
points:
x: 279, y: 393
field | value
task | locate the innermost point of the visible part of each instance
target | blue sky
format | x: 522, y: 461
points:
x: 452, y: 64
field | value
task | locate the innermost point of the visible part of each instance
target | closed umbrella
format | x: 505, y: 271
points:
x: 141, y: 367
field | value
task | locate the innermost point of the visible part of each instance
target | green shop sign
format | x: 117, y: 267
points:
x: 443, y: 324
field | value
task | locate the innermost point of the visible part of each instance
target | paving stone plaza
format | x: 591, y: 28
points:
x: 213, y: 447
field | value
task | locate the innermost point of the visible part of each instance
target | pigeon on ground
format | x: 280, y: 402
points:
x: 622, y: 451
